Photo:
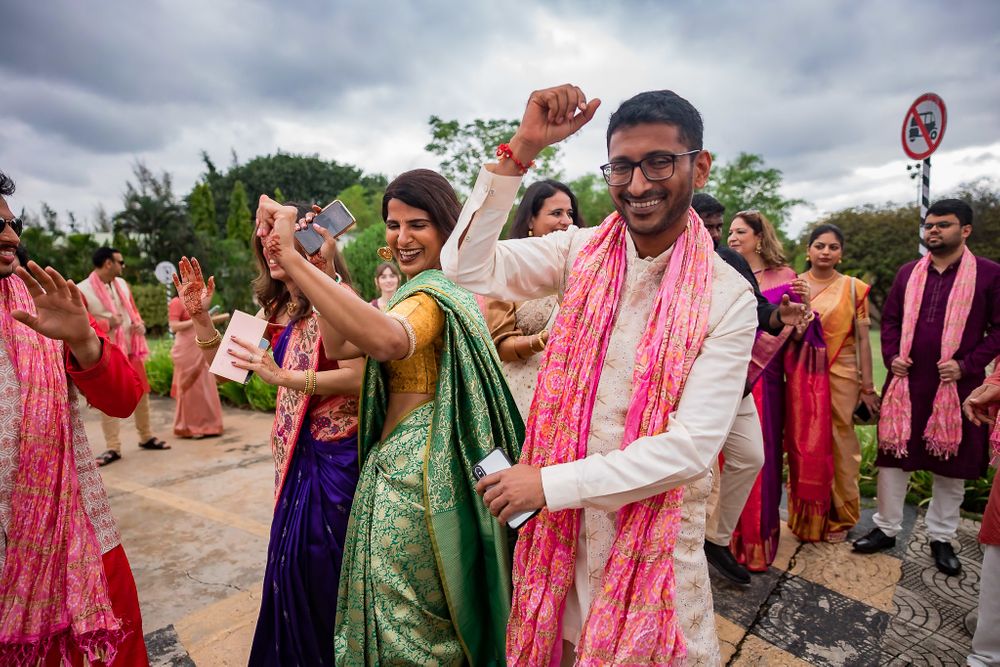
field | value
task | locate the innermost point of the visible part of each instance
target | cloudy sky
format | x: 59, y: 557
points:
x: 818, y: 88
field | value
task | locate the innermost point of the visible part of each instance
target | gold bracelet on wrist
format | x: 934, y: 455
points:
x: 211, y: 342
x: 310, y: 387
x: 539, y: 338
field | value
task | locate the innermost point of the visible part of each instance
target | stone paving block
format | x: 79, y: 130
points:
x: 867, y: 578
x: 221, y: 634
x: 730, y: 636
x: 757, y: 652
x: 165, y: 650
x: 821, y: 626
x: 740, y: 605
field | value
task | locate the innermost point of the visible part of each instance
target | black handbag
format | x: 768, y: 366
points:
x: 863, y: 416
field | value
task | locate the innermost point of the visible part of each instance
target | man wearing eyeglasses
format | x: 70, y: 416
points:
x: 66, y: 587
x: 940, y: 329
x: 643, y: 374
x: 109, y: 300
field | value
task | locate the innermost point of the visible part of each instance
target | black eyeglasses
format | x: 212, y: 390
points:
x: 654, y: 168
x: 15, y: 224
x: 928, y: 226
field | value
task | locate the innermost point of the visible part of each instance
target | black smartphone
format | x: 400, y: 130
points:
x: 263, y: 345
x: 335, y: 218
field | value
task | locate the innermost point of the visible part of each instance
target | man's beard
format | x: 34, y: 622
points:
x: 675, y: 214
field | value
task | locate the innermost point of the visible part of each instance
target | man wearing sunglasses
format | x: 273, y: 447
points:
x: 643, y: 375
x: 66, y: 587
x: 109, y: 300
x: 940, y: 329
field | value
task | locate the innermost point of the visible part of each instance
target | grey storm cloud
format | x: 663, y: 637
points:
x: 818, y: 89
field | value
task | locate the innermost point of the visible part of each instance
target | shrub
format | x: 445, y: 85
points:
x: 159, y: 366
x: 362, y: 259
x: 260, y: 394
x: 151, y: 300
x: 233, y: 393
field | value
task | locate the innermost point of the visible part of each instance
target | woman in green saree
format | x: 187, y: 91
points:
x: 426, y: 572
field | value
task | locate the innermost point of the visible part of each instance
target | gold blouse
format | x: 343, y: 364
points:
x: 423, y: 320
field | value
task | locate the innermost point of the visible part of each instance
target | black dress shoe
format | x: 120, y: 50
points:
x: 724, y: 562
x: 874, y: 541
x: 945, y: 558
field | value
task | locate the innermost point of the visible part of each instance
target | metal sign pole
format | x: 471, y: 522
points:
x: 925, y: 198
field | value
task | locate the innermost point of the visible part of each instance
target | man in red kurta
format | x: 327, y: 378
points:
x: 951, y: 331
x: 66, y: 587
x: 983, y: 402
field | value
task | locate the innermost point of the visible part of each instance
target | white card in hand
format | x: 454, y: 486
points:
x: 243, y: 326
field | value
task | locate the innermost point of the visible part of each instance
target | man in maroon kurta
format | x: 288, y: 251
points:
x: 947, y: 225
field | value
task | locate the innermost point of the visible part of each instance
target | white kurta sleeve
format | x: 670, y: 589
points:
x: 514, y: 270
x: 682, y: 454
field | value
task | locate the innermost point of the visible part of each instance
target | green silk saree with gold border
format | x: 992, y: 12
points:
x: 426, y: 573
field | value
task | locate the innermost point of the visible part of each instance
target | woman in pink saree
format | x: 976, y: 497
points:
x: 198, y: 413
x: 782, y: 366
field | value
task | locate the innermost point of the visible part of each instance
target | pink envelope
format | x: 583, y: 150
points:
x: 244, y: 326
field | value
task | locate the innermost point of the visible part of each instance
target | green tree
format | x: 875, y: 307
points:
x: 279, y: 196
x: 238, y: 226
x: 201, y: 210
x: 299, y: 177
x: 464, y: 148
x: 747, y: 183
x: 44, y: 246
x: 153, y: 225
x: 365, y: 204
x: 592, y: 198
x: 362, y: 259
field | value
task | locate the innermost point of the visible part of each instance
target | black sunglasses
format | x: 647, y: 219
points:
x: 15, y: 224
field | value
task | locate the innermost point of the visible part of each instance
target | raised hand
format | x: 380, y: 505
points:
x: 551, y: 115
x: 276, y: 221
x: 194, y: 292
x: 60, y: 312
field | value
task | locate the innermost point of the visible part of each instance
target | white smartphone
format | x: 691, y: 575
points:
x: 493, y: 462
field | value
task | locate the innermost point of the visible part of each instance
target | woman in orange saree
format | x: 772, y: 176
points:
x: 841, y: 303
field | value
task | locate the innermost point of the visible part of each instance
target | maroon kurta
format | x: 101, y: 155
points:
x: 980, y: 345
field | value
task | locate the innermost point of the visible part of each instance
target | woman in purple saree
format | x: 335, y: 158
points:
x: 790, y: 387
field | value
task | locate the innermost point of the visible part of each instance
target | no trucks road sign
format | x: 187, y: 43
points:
x: 923, y: 126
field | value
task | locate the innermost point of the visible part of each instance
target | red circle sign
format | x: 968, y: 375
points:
x: 923, y: 126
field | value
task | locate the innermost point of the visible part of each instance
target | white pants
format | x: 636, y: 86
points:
x: 986, y: 641
x: 943, y: 515
x: 743, y: 452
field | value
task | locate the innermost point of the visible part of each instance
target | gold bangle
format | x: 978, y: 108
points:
x: 310, y: 387
x: 540, y: 340
x: 211, y: 342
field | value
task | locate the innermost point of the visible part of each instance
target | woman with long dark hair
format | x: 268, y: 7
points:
x: 426, y: 574
x: 314, y: 441
x: 521, y: 330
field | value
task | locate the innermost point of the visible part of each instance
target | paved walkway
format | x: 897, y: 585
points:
x: 195, y: 524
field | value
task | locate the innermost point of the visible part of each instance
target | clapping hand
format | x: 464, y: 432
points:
x: 194, y: 292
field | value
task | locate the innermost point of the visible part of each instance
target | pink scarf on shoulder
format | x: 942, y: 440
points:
x: 944, y: 429
x: 633, y: 620
x: 53, y: 591
x: 136, y: 345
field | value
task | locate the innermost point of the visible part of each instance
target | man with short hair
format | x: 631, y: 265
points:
x: 710, y: 210
x: 66, y: 588
x: 643, y: 374
x: 946, y: 306
x: 109, y: 300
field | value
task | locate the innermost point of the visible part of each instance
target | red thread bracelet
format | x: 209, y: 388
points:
x: 504, y: 152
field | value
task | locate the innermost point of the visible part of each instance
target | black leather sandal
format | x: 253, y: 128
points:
x: 107, y: 457
x: 153, y: 443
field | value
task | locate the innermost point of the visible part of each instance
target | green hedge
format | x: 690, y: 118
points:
x: 151, y: 300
